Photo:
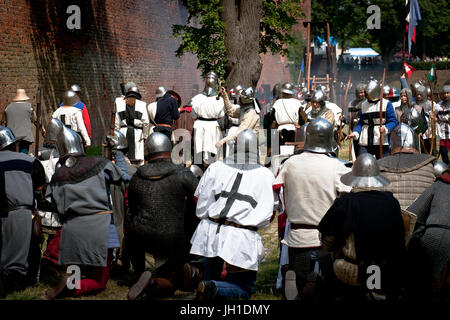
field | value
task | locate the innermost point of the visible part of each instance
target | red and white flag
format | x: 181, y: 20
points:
x: 409, y: 70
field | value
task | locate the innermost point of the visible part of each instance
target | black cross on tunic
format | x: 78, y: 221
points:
x: 232, y: 196
x: 129, y: 114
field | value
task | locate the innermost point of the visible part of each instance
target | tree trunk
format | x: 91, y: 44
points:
x: 242, y: 32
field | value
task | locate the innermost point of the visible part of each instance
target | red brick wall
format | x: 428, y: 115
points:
x: 120, y: 40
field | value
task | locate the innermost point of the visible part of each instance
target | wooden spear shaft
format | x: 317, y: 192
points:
x: 343, y: 108
x: 432, y: 121
x: 381, y: 114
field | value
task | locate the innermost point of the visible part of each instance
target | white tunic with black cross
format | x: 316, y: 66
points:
x: 241, y: 194
x: 133, y: 121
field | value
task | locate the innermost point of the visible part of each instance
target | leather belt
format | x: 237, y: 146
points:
x: 163, y: 125
x: 296, y: 226
x: 283, y: 123
x: 233, y: 224
x: 206, y: 119
x: 6, y: 211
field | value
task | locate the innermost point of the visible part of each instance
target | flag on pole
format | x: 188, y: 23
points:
x: 409, y: 70
x: 432, y: 74
x: 412, y: 20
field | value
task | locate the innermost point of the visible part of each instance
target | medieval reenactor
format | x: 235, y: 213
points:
x: 207, y: 109
x: 417, y: 122
x: 231, y: 122
x: 353, y: 109
x: 286, y: 114
x: 422, y: 104
x: 319, y: 108
x: 365, y: 228
x: 167, y: 111
x: 442, y: 117
x: 235, y: 200
x: 80, y: 193
x: 269, y: 116
x: 132, y: 120
x: 72, y: 117
x: 151, y: 108
x: 312, y: 179
x: 405, y: 102
x: 368, y: 129
x: 409, y: 171
x: 21, y: 180
x: 162, y: 221
x: 248, y: 113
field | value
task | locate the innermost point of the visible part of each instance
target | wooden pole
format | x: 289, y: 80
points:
x: 433, y: 130
x: 308, y: 53
x: 381, y: 114
x: 403, y: 51
x: 38, y: 123
x: 343, y: 109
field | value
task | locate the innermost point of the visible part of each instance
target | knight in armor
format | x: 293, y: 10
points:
x: 353, y: 109
x: 364, y: 228
x: 72, y: 116
x: 207, y: 109
x: 151, y: 108
x: 417, y: 122
x: 132, y: 120
x: 423, y: 104
x: 231, y: 122
x: 312, y: 179
x: 235, y: 200
x: 80, y: 193
x: 319, y: 108
x: 405, y: 102
x: 162, y: 221
x: 394, y: 97
x: 286, y: 114
x: 269, y: 119
x: 409, y: 171
x: 248, y: 113
x: 21, y: 180
x: 368, y: 129
x: 442, y: 118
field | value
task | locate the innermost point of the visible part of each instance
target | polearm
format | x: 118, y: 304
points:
x: 432, y: 121
x: 343, y: 109
x: 38, y: 122
x: 381, y: 114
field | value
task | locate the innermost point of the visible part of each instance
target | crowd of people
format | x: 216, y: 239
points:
x: 189, y: 185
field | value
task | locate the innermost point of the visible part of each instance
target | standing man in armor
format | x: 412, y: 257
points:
x: 269, y: 116
x: 162, y: 218
x: 232, y: 122
x: 312, y: 179
x: 207, y: 108
x: 368, y: 129
x: 82, y: 106
x: 405, y: 102
x: 151, y: 108
x: 80, y: 193
x: 132, y: 121
x: 286, y: 112
x: 442, y: 117
x: 235, y: 200
x: 423, y: 104
x: 22, y: 178
x: 245, y: 111
x: 71, y: 116
x: 319, y: 108
x: 353, y: 110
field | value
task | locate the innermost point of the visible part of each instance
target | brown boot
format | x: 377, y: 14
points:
x: 191, y: 277
x: 139, y: 287
x: 56, y: 290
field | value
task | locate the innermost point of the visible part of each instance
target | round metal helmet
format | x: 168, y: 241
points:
x: 422, y: 90
x: 446, y: 88
x: 319, y: 136
x: 236, y: 91
x: 403, y: 136
x: 276, y: 91
x: 7, y: 137
x: 68, y: 142
x: 160, y: 91
x: 70, y: 98
x: 157, y: 142
x: 395, y: 93
x: 373, y: 90
x: 75, y: 88
x: 196, y: 170
x: 386, y: 89
x: 133, y: 92
x: 287, y: 88
x: 319, y: 96
x: 247, y: 142
x: 129, y: 85
x: 247, y: 95
x: 52, y: 129
x: 211, y: 79
x: 365, y: 173
x: 359, y: 87
x: 121, y: 140
x: 412, y: 118
x: 408, y: 93
x: 439, y: 168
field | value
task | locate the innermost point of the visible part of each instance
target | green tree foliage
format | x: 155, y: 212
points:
x: 204, y: 34
x: 296, y: 54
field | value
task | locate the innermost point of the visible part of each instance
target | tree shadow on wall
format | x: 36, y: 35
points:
x: 87, y: 57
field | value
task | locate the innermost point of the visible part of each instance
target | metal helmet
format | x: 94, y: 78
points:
x: 68, y: 142
x: 412, y: 118
x: 247, y: 142
x: 133, y: 92
x: 70, y: 98
x: 386, y: 90
x: 439, y: 168
x: 365, y: 173
x: 276, y: 91
x: 211, y: 79
x: 446, y: 88
x: 319, y: 96
x: 7, y: 137
x: 395, y: 93
x: 422, y: 90
x: 236, y: 91
x: 319, y: 136
x: 75, y: 88
x: 160, y: 91
x: 359, y: 87
x: 403, y: 136
x: 157, y: 142
x: 287, y: 88
x: 121, y: 140
x: 373, y: 90
x: 247, y: 95
x: 52, y: 129
x: 408, y: 93
x: 196, y: 170
x: 129, y: 85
